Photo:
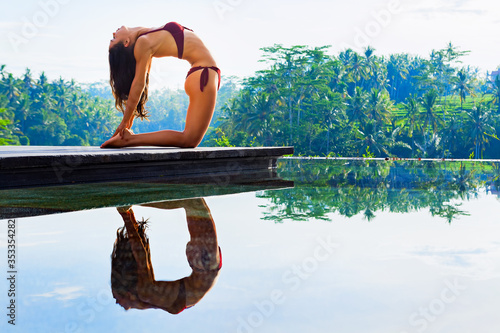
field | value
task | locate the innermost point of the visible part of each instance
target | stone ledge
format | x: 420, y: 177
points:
x: 32, y: 166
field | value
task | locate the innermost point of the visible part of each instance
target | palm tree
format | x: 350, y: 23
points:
x: 440, y: 70
x: 356, y: 106
x: 28, y: 82
x: 411, y: 117
x: 494, y: 89
x: 371, y: 139
x: 241, y: 110
x: 451, y: 53
x: 9, y: 87
x: 260, y: 117
x: 397, y: 72
x: 480, y: 128
x: 335, y: 79
x: 357, y: 69
x: 463, y: 86
x: 430, y: 117
x: 452, y: 135
x: 345, y: 57
x: 22, y: 110
x: 379, y: 106
x: 368, y: 53
x: 371, y: 65
x: 334, y: 115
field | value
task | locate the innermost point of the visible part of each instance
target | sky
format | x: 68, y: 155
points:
x: 70, y: 38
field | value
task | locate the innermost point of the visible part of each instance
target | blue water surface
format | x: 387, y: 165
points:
x: 354, y: 246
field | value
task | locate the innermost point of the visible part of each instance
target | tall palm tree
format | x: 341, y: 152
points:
x: 9, y: 87
x: 356, y: 106
x: 397, y: 72
x: 440, y: 71
x: 430, y: 117
x: 480, y: 128
x: 371, y: 65
x: 22, y: 110
x: 451, y: 135
x: 357, y: 69
x: 494, y: 89
x: 371, y: 139
x: 345, y: 57
x: 260, y: 117
x: 335, y: 79
x: 379, y: 106
x: 333, y: 116
x: 452, y: 53
x: 411, y: 106
x: 462, y: 86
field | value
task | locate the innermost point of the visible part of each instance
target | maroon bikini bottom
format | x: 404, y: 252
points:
x: 204, y: 75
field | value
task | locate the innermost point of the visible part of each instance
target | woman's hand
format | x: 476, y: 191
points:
x: 119, y: 139
x: 120, y: 129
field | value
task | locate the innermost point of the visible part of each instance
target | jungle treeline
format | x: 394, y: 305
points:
x: 36, y: 111
x: 348, y: 104
x: 361, y: 104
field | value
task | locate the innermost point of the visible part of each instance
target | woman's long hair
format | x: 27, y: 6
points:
x: 122, y: 72
x: 124, y: 273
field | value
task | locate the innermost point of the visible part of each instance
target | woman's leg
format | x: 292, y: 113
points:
x: 199, y: 114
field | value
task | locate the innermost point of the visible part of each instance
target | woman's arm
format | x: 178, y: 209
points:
x: 157, y: 293
x: 138, y: 247
x: 143, y: 56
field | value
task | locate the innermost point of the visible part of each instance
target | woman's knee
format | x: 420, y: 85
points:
x: 191, y: 140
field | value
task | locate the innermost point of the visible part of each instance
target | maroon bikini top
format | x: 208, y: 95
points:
x: 177, y: 32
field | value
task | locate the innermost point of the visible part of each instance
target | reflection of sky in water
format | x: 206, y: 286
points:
x: 275, y: 277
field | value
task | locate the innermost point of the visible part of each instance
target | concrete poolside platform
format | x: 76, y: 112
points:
x: 48, y: 180
x: 34, y: 166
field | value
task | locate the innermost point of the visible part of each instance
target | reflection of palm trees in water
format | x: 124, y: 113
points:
x: 352, y: 187
x: 132, y: 278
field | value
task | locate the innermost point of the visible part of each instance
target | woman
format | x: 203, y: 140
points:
x: 133, y: 281
x: 130, y: 53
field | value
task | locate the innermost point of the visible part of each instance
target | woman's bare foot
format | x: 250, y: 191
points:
x: 119, y: 140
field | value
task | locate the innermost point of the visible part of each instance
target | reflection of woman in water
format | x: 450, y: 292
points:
x: 130, y: 54
x: 132, y: 278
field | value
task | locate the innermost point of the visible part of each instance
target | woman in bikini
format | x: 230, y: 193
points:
x: 130, y: 53
x: 133, y: 282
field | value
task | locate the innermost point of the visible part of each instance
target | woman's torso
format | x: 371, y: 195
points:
x: 163, y: 44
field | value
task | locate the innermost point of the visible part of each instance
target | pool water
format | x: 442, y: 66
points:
x: 354, y: 246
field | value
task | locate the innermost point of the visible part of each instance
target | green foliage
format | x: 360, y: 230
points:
x: 351, y: 103
x: 368, y: 153
x: 222, y: 140
x: 5, y: 137
x: 39, y: 112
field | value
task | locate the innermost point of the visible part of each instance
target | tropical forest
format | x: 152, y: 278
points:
x: 350, y: 104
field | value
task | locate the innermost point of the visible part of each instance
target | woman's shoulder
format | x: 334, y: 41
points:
x: 143, y: 50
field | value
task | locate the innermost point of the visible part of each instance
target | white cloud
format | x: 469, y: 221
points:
x: 62, y: 293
